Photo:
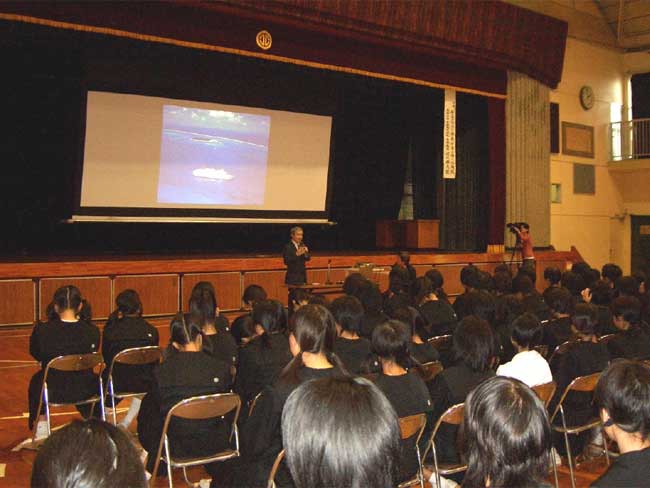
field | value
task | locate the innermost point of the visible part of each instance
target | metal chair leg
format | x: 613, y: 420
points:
x: 568, y: 448
x: 435, y: 463
x: 46, y: 399
x: 169, y: 466
x: 111, y: 388
x: 557, y: 481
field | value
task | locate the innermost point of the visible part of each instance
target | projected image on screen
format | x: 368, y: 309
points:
x: 213, y: 157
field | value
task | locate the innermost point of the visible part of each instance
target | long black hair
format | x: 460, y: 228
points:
x: 270, y: 315
x: 505, y: 435
x: 68, y: 298
x: 203, y: 302
x: 314, y: 329
x: 127, y: 303
x: 183, y: 329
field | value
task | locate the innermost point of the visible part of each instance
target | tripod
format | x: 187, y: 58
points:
x: 515, y: 250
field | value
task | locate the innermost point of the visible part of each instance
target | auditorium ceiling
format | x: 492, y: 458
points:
x: 629, y: 21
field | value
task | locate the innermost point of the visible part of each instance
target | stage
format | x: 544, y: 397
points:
x: 164, y: 282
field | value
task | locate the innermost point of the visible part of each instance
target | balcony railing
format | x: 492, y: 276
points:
x: 629, y: 140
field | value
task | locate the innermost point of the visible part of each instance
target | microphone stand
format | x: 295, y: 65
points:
x: 329, y: 269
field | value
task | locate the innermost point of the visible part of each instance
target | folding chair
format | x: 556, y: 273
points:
x: 198, y: 408
x: 70, y: 363
x: 441, y: 343
x: 135, y: 356
x: 271, y: 482
x: 251, y: 407
x: 542, y: 349
x: 453, y: 416
x: 430, y: 370
x: 585, y: 384
x: 545, y: 392
x: 606, y: 338
x: 559, y: 350
x: 409, y: 427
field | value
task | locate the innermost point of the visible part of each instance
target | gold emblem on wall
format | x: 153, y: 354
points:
x: 264, y: 40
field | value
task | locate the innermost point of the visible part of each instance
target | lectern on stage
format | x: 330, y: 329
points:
x: 408, y: 234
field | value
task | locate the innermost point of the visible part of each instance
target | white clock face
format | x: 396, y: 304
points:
x: 587, y: 97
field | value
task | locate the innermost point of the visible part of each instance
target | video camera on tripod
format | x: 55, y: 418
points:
x: 517, y: 227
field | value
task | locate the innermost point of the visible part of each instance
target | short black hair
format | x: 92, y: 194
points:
x: 474, y: 343
x: 253, y: 293
x: 585, y: 318
x: 480, y: 303
x: 601, y: 293
x: 352, y: 284
x: 91, y: 453
x: 469, y: 276
x: 435, y: 277
x: 370, y: 298
x: 502, y: 282
x: 270, y: 315
x: 623, y: 391
x: 612, y: 272
x: 527, y: 330
x: 528, y: 271
x: 348, y: 312
x: 391, y: 340
x: 299, y: 295
x: 628, y: 308
x: 559, y: 300
x: 627, y: 285
x: 243, y: 327
x: 422, y: 288
x: 553, y: 274
x: 341, y: 432
x: 582, y: 269
x: 505, y: 435
x: 522, y: 283
x: 573, y: 282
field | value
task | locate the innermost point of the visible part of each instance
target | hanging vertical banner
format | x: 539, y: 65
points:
x: 449, y: 136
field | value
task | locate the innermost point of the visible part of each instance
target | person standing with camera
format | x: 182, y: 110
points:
x: 524, y: 242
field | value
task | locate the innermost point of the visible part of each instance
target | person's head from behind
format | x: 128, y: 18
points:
x: 347, y: 312
x: 601, y: 293
x: 90, y: 454
x: 253, y: 294
x: 474, y: 343
x: 573, y: 282
x: 269, y: 317
x: 585, y: 320
x: 435, y: 277
x: 352, y: 284
x: 243, y: 329
x: 552, y: 275
x: 185, y: 333
x: 611, y: 272
x: 527, y: 332
x: 370, y: 298
x: 317, y: 299
x: 298, y: 297
x: 502, y: 283
x: 469, y: 276
x: 128, y: 304
x: 68, y: 304
x: 583, y: 269
x: 522, y: 283
x: 626, y: 313
x: 203, y: 302
x: 623, y: 397
x: 480, y: 304
x: 341, y: 432
x: 423, y: 291
x: 390, y: 342
x: 560, y: 301
x: 506, y: 435
x: 398, y: 280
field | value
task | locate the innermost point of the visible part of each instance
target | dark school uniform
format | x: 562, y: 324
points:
x: 222, y: 345
x: 633, y: 343
x: 125, y: 333
x: 184, y: 375
x: 259, y: 366
x: 58, y: 338
x: 408, y: 395
x: 423, y: 353
x: 352, y: 352
x: 370, y: 321
x: 629, y: 470
x: 439, y: 316
x: 556, y: 332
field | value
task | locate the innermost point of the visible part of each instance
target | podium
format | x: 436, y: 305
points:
x: 410, y: 234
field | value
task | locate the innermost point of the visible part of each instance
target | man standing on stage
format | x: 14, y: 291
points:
x: 295, y: 255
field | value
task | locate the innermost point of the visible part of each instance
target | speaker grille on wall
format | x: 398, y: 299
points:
x: 584, y: 179
x: 555, y: 128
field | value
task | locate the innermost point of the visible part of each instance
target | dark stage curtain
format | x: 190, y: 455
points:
x: 464, y: 201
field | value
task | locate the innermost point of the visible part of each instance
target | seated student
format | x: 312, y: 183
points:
x: 422, y: 351
x: 601, y: 297
x: 403, y: 387
x: 243, y: 330
x: 68, y: 330
x: 474, y: 350
x: 340, y: 432
x: 370, y: 299
x: 84, y: 454
x: 527, y: 365
x: 353, y: 283
x: 623, y: 397
x: 297, y: 298
x: 187, y: 371
x: 524, y: 288
x: 502, y: 284
x: 252, y: 294
x: 262, y: 359
x: 218, y: 339
x: 469, y: 279
x: 552, y: 276
x: 311, y: 339
x: 438, y: 316
x: 558, y: 329
x: 126, y: 329
x: 349, y: 347
x: 508, y: 309
x: 506, y: 436
x: 632, y: 342
x: 437, y: 280
x: 399, y: 287
x: 575, y: 284
x: 586, y: 356
x: 611, y: 273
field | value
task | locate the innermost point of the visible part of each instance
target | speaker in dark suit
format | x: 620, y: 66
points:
x: 295, y: 255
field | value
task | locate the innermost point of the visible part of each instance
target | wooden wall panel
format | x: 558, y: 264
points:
x: 96, y: 289
x: 17, y: 302
x: 320, y: 275
x: 271, y: 281
x: 158, y: 293
x: 227, y: 287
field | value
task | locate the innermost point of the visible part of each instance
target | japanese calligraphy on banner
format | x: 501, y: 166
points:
x: 449, y: 136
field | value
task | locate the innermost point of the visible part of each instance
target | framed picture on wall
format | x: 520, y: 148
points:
x: 577, y: 140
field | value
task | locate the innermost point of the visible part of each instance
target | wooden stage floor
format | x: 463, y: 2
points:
x: 17, y: 367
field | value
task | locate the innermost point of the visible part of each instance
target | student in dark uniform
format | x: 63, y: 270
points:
x: 312, y: 345
x: 474, y: 350
x: 68, y: 330
x: 422, y: 351
x: 349, y: 347
x: 558, y: 329
x: 469, y: 279
x: 437, y: 280
x: 126, y: 329
x: 585, y: 357
x: 439, y: 317
x: 632, y: 342
x: 186, y: 372
x: 262, y: 359
x: 403, y: 386
x: 218, y: 339
x: 295, y: 254
x: 623, y: 397
x: 371, y: 300
x: 252, y: 294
